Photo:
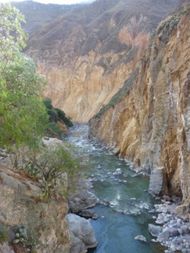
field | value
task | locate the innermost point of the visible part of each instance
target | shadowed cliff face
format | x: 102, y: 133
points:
x: 87, y: 53
x: 148, y: 120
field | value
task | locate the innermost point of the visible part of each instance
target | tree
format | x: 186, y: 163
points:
x: 23, y: 117
x: 12, y: 36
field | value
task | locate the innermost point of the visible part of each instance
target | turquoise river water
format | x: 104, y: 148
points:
x: 128, y: 213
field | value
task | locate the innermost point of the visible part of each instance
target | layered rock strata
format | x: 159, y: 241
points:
x: 148, y: 120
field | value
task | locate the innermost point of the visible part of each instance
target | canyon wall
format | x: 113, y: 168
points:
x: 87, y: 53
x: 148, y: 120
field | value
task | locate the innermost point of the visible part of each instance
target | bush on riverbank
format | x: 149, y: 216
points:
x: 57, y: 119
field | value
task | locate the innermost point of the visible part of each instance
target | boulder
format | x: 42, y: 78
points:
x: 154, y: 229
x: 156, y: 181
x: 81, y: 234
x: 82, y: 200
x: 141, y: 238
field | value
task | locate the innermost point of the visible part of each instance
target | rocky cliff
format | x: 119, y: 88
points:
x: 148, y: 120
x: 26, y: 222
x: 32, y: 221
x: 87, y: 53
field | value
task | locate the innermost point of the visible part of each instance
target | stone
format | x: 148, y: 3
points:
x: 173, y: 232
x: 77, y: 246
x: 156, y: 181
x: 81, y: 229
x: 117, y: 172
x: 140, y: 238
x: 154, y: 229
x: 115, y: 151
x: 5, y: 248
x: 82, y: 200
x: 164, y: 235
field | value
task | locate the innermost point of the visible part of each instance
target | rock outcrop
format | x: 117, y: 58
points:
x: 81, y: 234
x: 82, y: 198
x: 148, y: 120
x: 31, y: 222
x: 26, y: 221
x: 87, y: 52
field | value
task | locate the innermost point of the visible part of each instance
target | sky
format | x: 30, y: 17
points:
x: 53, y: 1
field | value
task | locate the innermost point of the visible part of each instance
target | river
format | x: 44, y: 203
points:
x: 128, y: 213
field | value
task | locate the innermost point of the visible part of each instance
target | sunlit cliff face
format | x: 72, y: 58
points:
x: 149, y: 121
x: 88, y: 53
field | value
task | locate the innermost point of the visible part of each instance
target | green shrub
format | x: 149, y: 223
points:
x: 53, y: 164
x: 63, y: 117
x: 48, y: 104
x: 49, y: 166
x: 56, y: 115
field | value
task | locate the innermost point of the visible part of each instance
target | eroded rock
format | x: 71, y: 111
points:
x: 81, y: 233
x: 154, y: 229
x: 156, y: 181
x: 141, y: 238
x: 82, y: 198
x: 21, y: 204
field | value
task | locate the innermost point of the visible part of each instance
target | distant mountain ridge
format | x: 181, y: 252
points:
x: 38, y: 14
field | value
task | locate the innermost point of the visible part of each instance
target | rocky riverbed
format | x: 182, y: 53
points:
x: 111, y: 212
x: 171, y: 230
x: 129, y: 219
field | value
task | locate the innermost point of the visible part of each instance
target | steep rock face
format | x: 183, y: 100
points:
x: 44, y: 223
x: 148, y: 120
x: 87, y: 53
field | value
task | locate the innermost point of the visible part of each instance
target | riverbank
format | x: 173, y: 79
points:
x: 124, y: 205
x: 113, y: 199
x: 126, y: 209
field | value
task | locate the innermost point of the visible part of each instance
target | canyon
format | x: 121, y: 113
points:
x: 108, y: 63
x: 86, y: 53
x: 123, y: 68
x: 147, y: 121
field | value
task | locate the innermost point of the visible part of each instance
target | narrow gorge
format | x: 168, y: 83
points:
x: 148, y: 119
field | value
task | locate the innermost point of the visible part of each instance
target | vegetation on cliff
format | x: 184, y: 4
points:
x: 23, y: 117
x: 57, y: 120
x: 34, y: 175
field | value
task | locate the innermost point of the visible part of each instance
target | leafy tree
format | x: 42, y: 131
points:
x: 23, y: 117
x: 12, y: 36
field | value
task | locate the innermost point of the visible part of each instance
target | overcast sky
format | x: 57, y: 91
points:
x: 53, y: 1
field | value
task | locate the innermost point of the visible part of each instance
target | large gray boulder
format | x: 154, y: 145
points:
x: 81, y: 234
x: 156, y: 181
x: 82, y: 198
x: 154, y: 230
x: 81, y: 201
